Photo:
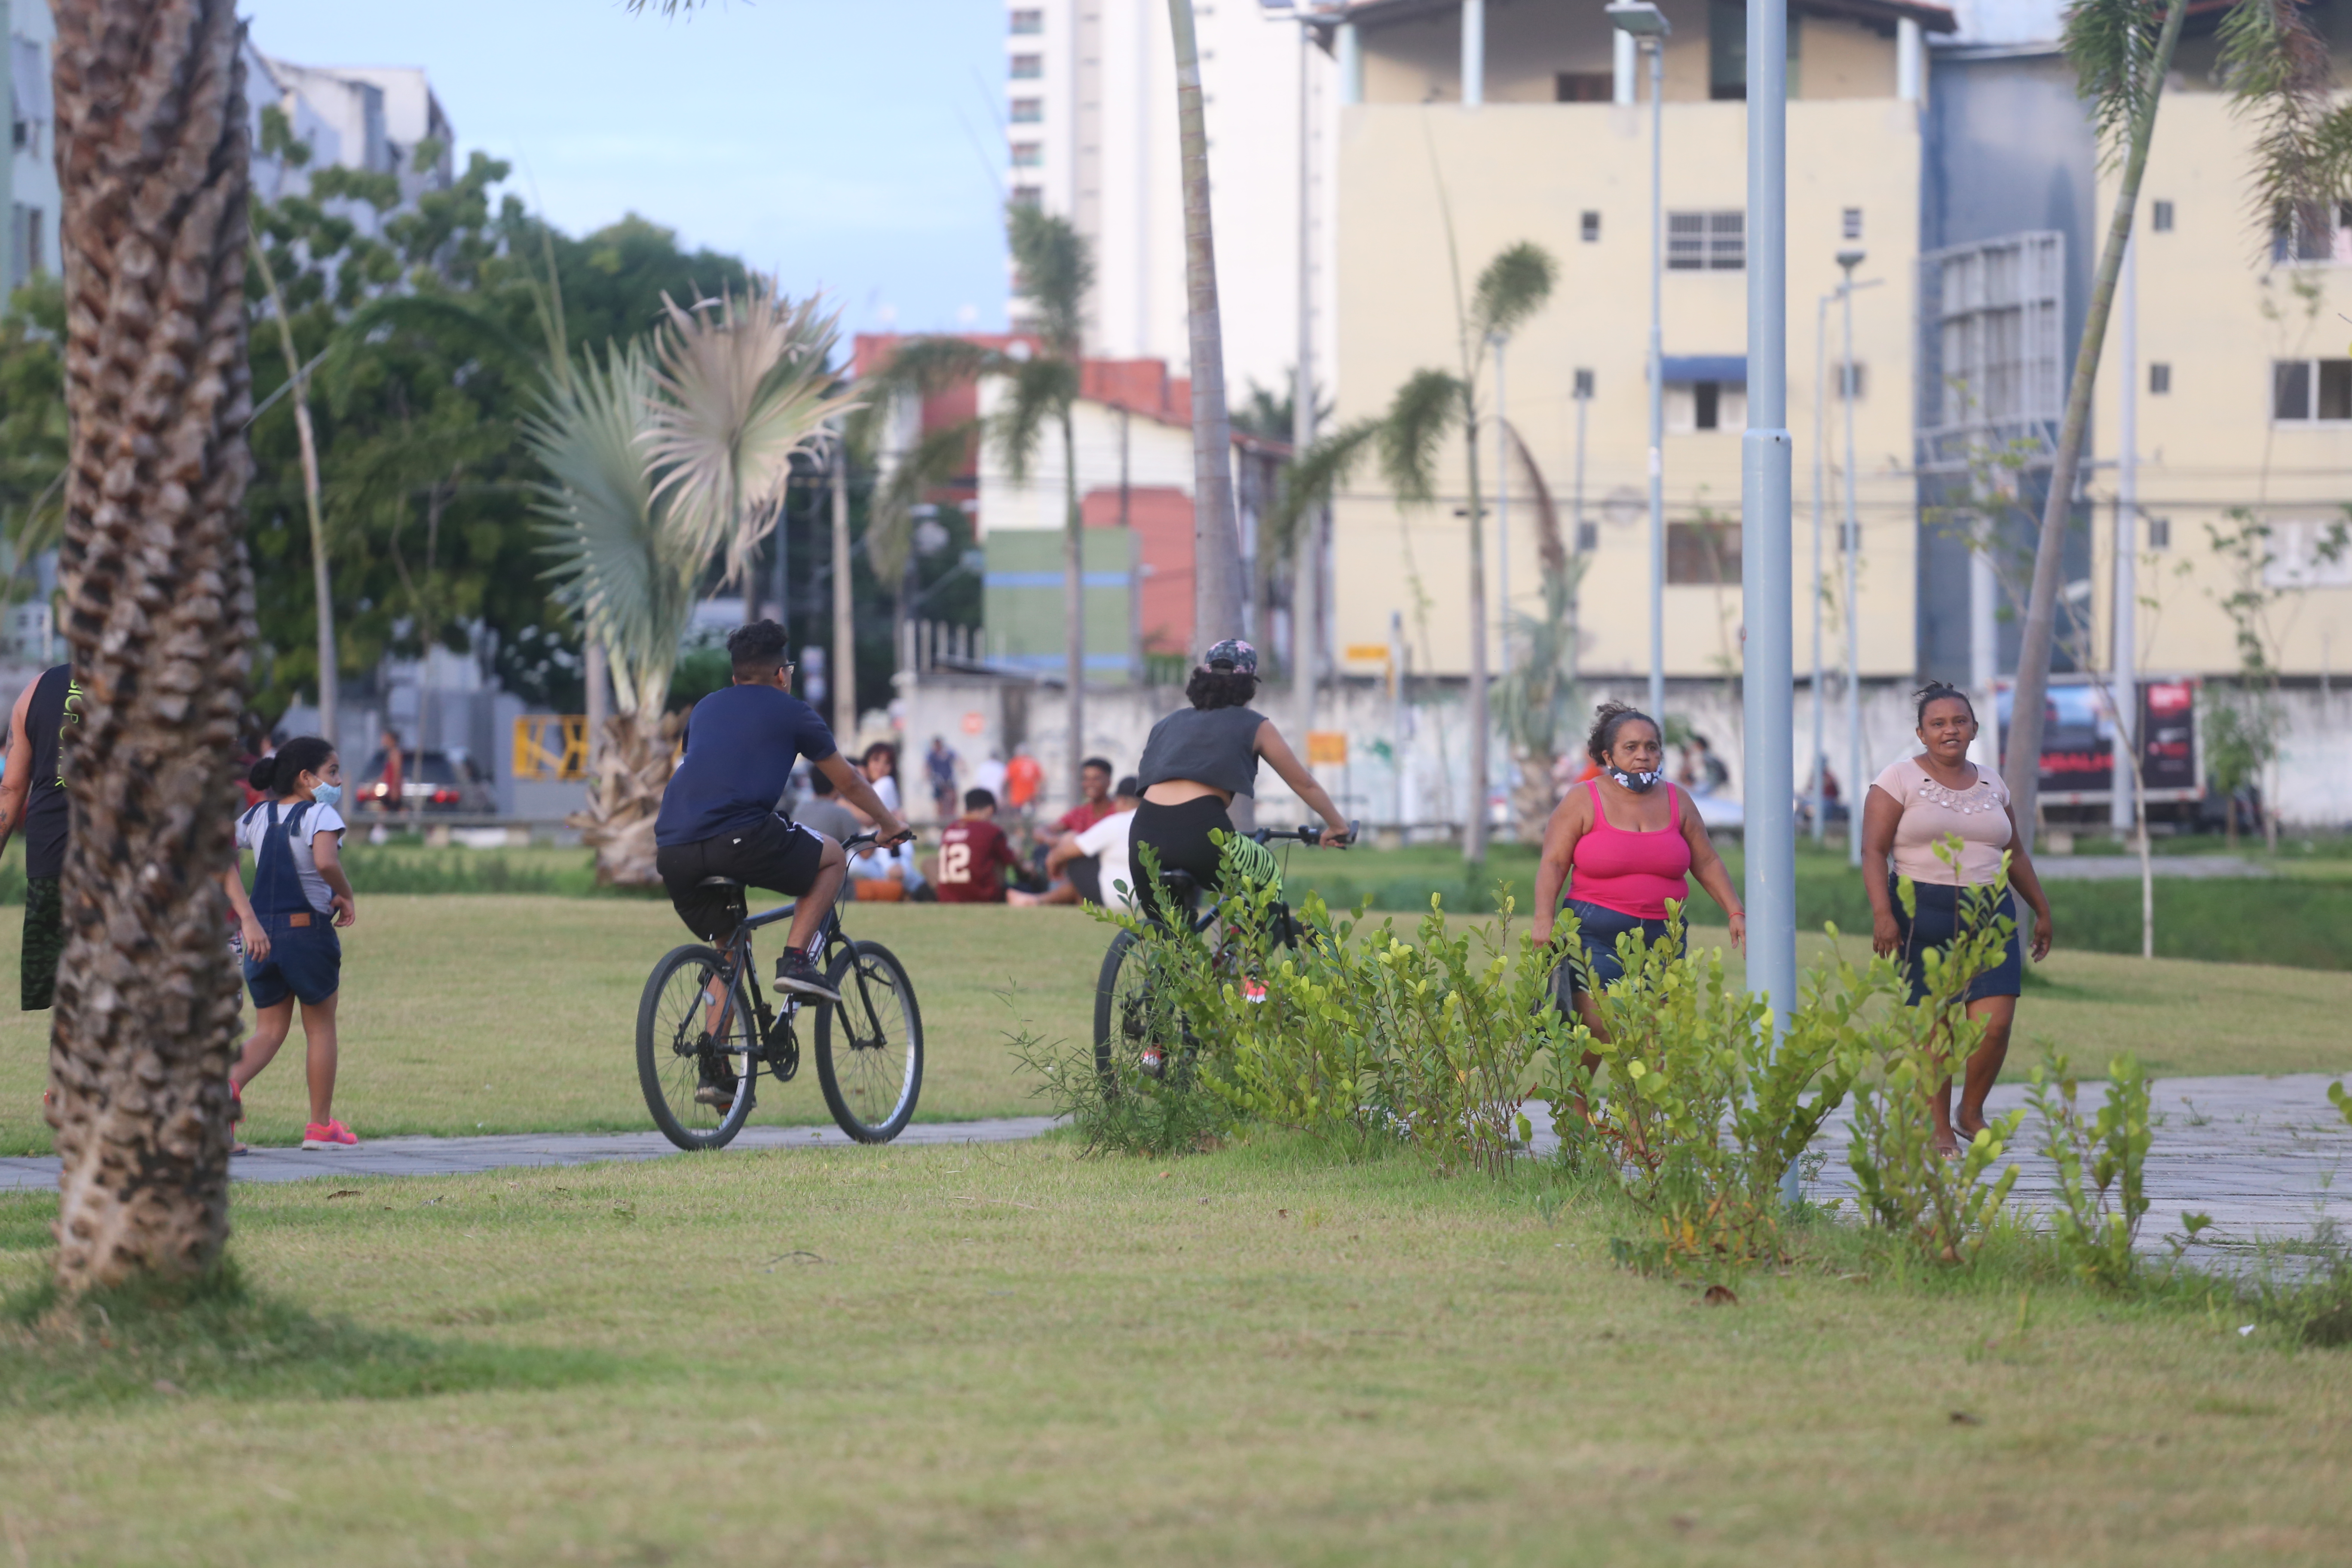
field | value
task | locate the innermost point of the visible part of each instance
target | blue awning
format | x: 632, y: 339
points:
x: 1705, y: 367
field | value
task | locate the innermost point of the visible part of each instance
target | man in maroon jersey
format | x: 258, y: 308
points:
x: 974, y: 855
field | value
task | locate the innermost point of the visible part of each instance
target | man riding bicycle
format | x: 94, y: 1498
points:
x: 718, y: 816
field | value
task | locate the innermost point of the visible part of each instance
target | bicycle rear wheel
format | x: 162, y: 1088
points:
x: 869, y: 1045
x: 1132, y: 1016
x: 679, y: 1051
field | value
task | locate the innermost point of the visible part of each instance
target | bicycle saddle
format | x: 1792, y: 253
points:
x: 719, y: 882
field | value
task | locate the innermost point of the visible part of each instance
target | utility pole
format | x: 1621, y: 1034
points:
x: 843, y: 673
x: 1642, y: 21
x: 1307, y: 570
x: 1766, y: 586
x: 1849, y: 260
x: 1814, y: 591
x: 2123, y: 661
x: 1502, y: 501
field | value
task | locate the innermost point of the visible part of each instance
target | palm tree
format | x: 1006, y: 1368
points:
x: 2122, y: 50
x: 1053, y: 269
x: 1216, y: 534
x: 153, y: 162
x: 1430, y: 405
x: 661, y: 463
x: 1537, y: 698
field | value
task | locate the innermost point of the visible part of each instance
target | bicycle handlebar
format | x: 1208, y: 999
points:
x: 1309, y: 835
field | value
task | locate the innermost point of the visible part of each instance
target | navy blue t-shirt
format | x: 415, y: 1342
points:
x: 741, y: 745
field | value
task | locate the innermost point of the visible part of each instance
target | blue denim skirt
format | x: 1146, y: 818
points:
x: 1600, y: 927
x: 1937, y: 923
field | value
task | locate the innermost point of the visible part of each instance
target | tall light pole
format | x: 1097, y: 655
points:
x: 1766, y: 578
x: 1307, y: 570
x: 1849, y: 259
x: 2124, y: 660
x: 1502, y: 498
x: 1644, y: 22
x: 1813, y: 588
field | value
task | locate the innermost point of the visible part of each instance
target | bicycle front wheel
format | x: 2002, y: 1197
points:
x: 869, y: 1045
x: 696, y: 1048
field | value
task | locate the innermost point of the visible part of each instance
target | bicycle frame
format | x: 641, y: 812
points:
x: 735, y: 953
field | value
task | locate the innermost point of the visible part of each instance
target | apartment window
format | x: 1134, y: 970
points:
x: 1590, y: 228
x: 1588, y: 538
x: 1583, y: 87
x: 2160, y: 379
x: 1028, y: 110
x: 2321, y: 232
x: 1727, y: 50
x: 24, y: 249
x: 1709, y: 242
x: 1027, y: 154
x: 1028, y: 196
x: 2159, y: 534
x: 2306, y: 390
x: 1853, y: 381
x: 2159, y: 217
x: 1028, y: 21
x: 1691, y: 407
x: 1028, y: 68
x: 1583, y: 384
x: 1703, y: 554
x: 1850, y: 224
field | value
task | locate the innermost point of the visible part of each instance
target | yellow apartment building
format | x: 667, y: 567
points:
x: 2244, y: 383
x: 1431, y: 187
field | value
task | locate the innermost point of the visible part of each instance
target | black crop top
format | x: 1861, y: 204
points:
x: 1215, y: 746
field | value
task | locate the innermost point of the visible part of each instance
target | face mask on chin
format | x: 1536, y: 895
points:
x: 327, y: 794
x: 1640, y: 784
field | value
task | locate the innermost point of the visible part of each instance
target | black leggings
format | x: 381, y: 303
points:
x: 1179, y: 835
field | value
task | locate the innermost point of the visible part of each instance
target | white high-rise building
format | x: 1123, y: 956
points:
x: 1091, y: 120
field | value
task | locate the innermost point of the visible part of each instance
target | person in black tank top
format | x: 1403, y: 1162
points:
x: 33, y: 797
x: 1198, y: 759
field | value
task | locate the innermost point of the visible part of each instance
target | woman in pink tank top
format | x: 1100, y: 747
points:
x: 1625, y: 845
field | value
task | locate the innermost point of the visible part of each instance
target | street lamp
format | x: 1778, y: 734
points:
x: 1498, y: 341
x: 1644, y: 22
x: 1848, y: 259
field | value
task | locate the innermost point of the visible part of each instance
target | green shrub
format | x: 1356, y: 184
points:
x: 1690, y: 1104
x: 2095, y: 1235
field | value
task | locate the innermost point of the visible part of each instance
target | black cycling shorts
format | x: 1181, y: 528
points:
x: 772, y: 853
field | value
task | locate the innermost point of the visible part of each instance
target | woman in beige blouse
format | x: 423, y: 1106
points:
x: 1911, y: 807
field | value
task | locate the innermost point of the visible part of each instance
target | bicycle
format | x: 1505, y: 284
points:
x: 1137, y: 1028
x: 706, y: 1032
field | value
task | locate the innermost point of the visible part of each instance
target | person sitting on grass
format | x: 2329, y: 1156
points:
x: 1067, y: 880
x: 1078, y: 858
x: 975, y: 855
x: 292, y: 951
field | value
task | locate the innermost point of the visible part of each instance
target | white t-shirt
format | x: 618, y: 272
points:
x: 886, y: 789
x: 316, y: 819
x: 990, y: 776
x: 1106, y: 840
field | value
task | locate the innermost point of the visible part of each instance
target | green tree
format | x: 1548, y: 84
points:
x: 1431, y: 405
x: 2279, y: 76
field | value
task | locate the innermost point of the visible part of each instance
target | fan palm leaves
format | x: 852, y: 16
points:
x: 744, y: 385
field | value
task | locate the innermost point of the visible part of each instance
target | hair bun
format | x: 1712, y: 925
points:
x: 263, y: 775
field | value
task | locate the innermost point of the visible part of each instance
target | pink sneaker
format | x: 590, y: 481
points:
x: 329, y: 1135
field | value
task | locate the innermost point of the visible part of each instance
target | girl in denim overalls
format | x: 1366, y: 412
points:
x: 292, y: 953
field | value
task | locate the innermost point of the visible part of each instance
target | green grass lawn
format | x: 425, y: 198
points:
x: 502, y: 1013
x: 1014, y: 1356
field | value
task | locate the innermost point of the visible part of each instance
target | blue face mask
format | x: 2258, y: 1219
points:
x: 1640, y: 784
x: 327, y: 794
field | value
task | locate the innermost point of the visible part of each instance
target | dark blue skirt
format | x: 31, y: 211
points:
x: 1938, y: 922
x: 1599, y: 929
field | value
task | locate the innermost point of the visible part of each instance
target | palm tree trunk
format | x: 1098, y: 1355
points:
x: 2022, y: 764
x: 844, y: 611
x: 154, y: 160
x: 1473, y: 831
x: 1074, y: 603
x: 329, y: 667
x: 1216, y: 541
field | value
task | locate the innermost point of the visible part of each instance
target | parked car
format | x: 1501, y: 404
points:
x: 430, y: 781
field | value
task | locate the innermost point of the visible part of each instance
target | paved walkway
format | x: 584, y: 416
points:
x: 2123, y: 868
x: 2267, y: 1158
x: 467, y: 1157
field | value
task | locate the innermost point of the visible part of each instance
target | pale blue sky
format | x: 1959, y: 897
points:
x: 820, y: 139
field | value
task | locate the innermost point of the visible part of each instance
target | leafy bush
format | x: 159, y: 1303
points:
x: 1689, y: 1104
x: 1941, y: 1204
x: 2094, y: 1235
